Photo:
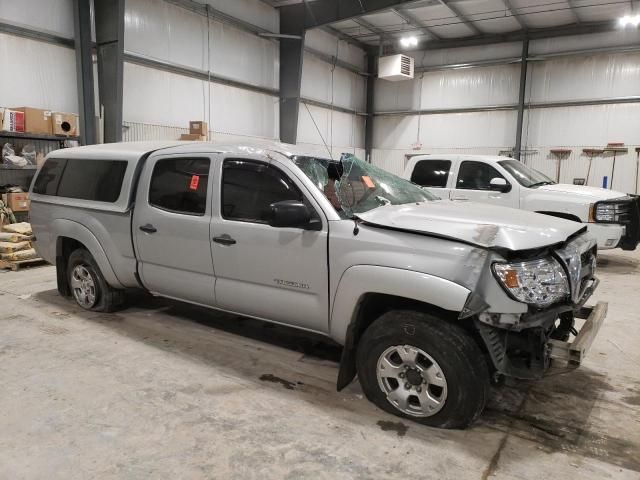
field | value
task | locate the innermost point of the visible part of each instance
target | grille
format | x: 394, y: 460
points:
x: 405, y: 65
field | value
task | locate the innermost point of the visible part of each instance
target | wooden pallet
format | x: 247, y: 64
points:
x: 18, y: 264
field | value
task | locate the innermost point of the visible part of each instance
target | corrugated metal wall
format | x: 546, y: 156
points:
x: 595, y: 76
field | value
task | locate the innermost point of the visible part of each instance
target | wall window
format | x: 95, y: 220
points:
x: 249, y: 188
x: 180, y: 185
x: 476, y: 176
x: 431, y: 173
x: 96, y: 180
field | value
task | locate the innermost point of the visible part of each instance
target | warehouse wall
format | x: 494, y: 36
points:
x: 595, y: 76
x: 165, y: 32
x: 34, y: 73
x: 333, y: 85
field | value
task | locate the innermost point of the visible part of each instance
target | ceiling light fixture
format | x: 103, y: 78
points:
x: 629, y: 20
x: 409, y: 42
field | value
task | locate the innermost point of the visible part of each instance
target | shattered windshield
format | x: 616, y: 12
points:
x: 353, y: 186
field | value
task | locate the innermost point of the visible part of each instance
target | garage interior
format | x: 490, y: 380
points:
x: 163, y: 389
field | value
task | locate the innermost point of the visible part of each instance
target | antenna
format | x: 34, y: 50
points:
x: 318, y: 129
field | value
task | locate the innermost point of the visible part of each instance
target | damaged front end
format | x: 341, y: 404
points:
x: 551, y: 288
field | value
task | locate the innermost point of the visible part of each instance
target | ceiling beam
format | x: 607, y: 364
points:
x: 414, y: 22
x: 514, y: 13
x: 518, y: 36
x: 463, y: 18
x: 319, y: 13
x: 574, y: 10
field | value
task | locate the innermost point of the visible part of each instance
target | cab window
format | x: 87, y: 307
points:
x: 180, y: 185
x: 476, y: 176
x: 431, y: 173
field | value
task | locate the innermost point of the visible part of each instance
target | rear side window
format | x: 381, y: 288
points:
x: 180, y: 185
x: 96, y: 180
x: 49, y: 176
x: 431, y: 173
x: 249, y: 189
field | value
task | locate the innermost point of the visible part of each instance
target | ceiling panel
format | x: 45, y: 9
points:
x: 590, y: 11
x: 545, y: 13
x: 441, y: 21
x: 490, y: 16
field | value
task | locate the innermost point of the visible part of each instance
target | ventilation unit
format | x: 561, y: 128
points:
x: 396, y: 67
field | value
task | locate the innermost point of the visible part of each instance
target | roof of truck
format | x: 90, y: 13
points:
x: 458, y: 156
x: 135, y: 150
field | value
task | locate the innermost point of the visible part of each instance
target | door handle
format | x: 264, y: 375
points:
x: 460, y: 198
x: 148, y: 228
x: 224, y: 240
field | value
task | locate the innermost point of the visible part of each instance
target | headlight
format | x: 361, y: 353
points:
x: 610, y: 212
x: 538, y: 282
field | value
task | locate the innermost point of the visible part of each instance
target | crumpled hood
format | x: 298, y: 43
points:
x: 591, y: 194
x: 477, y: 223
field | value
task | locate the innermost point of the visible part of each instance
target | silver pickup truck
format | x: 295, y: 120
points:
x: 431, y: 299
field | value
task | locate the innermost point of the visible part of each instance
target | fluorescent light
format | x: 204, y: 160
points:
x: 629, y: 20
x: 409, y: 42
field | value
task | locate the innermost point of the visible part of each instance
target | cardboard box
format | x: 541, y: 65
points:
x: 18, y: 202
x: 192, y: 136
x: 65, y: 124
x: 12, y: 120
x: 197, y: 127
x: 36, y: 120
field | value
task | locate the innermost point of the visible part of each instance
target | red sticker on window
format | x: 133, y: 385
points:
x: 195, y: 180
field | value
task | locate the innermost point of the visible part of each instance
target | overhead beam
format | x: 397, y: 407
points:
x: 109, y: 25
x: 518, y: 36
x: 514, y: 13
x: 463, y: 18
x: 521, y: 98
x: 84, y: 71
x: 414, y: 22
x: 291, y: 56
x: 319, y: 13
x: 574, y: 10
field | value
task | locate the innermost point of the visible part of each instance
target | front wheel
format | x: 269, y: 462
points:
x: 88, y: 287
x: 417, y: 366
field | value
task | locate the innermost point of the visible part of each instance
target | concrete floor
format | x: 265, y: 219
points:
x: 166, y: 390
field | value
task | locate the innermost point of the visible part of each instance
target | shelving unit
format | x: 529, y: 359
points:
x: 43, y: 143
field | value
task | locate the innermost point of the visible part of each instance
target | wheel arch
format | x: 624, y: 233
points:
x: 366, y: 292
x: 71, y: 235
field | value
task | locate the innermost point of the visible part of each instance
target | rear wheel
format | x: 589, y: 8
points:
x: 88, y: 287
x: 415, y: 365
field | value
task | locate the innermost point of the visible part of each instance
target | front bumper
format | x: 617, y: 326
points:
x: 574, y: 352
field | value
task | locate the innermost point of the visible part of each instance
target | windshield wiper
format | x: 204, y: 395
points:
x: 540, y: 184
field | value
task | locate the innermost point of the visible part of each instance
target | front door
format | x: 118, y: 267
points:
x: 278, y: 274
x: 171, y: 225
x: 474, y: 184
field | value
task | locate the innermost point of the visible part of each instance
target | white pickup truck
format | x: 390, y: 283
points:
x: 612, y: 217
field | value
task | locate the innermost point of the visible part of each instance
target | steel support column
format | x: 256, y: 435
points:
x: 368, y: 129
x: 521, y: 98
x: 84, y: 71
x: 109, y: 20
x: 291, y: 55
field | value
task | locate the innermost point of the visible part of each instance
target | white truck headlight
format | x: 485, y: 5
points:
x: 537, y: 282
x: 616, y: 211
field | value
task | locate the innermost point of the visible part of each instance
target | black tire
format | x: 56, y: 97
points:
x: 107, y: 299
x: 456, y: 353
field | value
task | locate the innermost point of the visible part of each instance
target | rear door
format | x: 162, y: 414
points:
x: 434, y: 175
x: 171, y: 224
x: 473, y: 183
x: 278, y: 274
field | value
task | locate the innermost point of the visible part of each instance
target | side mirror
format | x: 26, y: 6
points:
x: 499, y: 185
x: 289, y: 214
